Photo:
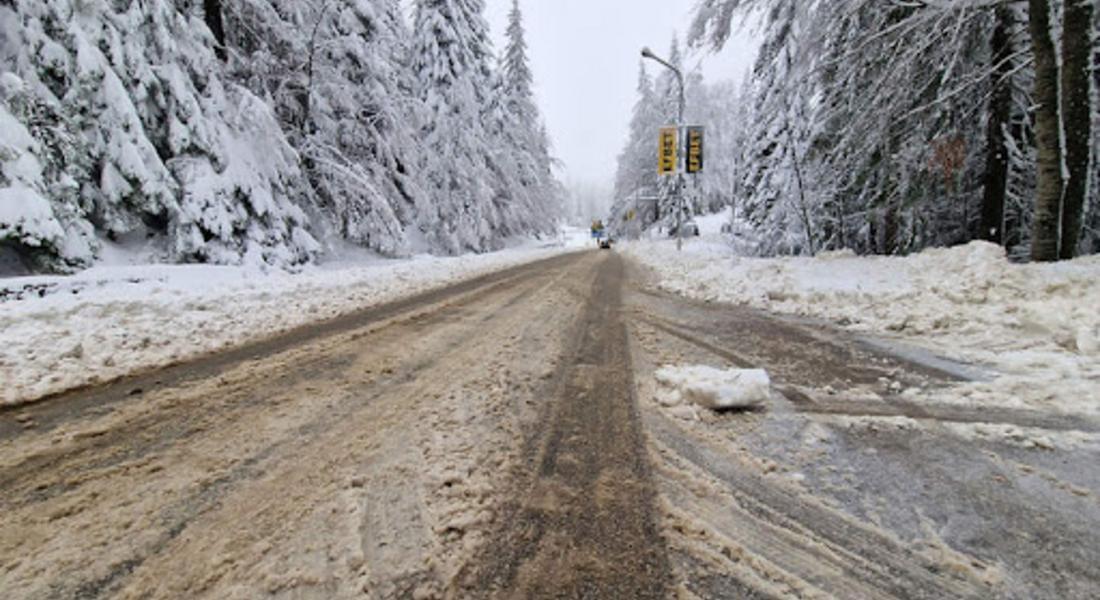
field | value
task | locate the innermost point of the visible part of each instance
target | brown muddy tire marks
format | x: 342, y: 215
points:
x: 94, y: 400
x: 267, y: 474
x: 500, y: 439
x: 581, y: 523
x: 174, y: 421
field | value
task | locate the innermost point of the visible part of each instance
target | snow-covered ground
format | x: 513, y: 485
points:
x: 57, y: 333
x: 1035, y: 327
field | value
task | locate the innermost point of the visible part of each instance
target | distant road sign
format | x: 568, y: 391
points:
x: 695, y: 137
x: 667, y: 158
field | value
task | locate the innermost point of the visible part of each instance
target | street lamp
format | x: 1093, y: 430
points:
x: 647, y: 53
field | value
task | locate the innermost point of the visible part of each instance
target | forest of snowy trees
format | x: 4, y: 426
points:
x: 888, y: 127
x: 259, y: 130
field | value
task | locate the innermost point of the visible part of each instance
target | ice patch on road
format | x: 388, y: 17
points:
x: 712, y: 388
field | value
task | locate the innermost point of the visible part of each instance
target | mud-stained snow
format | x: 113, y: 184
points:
x: 1033, y: 329
x: 58, y: 333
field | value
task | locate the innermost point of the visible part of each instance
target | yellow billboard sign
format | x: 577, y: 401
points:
x: 667, y: 156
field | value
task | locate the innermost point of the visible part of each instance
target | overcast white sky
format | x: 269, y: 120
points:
x: 585, y: 55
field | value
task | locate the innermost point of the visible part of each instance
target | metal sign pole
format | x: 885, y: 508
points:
x: 682, y: 165
x: 680, y: 162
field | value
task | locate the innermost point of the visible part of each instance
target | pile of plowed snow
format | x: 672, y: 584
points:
x: 1036, y: 325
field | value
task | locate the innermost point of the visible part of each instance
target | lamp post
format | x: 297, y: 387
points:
x: 647, y: 53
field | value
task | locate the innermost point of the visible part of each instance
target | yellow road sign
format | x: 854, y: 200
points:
x: 695, y: 149
x: 667, y: 157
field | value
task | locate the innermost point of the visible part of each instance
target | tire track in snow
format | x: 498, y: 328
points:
x: 212, y: 415
x: 581, y: 521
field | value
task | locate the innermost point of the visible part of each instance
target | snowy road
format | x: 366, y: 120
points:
x: 505, y: 438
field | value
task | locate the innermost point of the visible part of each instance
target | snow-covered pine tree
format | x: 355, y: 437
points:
x: 171, y: 151
x: 506, y: 162
x: 334, y: 70
x: 43, y: 225
x: 777, y: 200
x: 911, y: 152
x: 636, y: 173
x: 525, y: 132
x: 451, y: 62
x: 718, y: 107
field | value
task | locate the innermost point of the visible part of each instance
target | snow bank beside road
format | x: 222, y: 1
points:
x: 1037, y: 325
x: 57, y: 333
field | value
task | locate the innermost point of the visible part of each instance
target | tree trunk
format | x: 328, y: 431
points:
x: 890, y: 238
x: 1076, y: 117
x: 873, y: 247
x: 803, y: 211
x: 212, y: 11
x: 995, y: 182
x: 1048, y: 138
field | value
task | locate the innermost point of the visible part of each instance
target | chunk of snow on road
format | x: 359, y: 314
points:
x: 716, y: 389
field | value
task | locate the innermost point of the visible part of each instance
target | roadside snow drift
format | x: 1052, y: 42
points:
x: 715, y: 389
x: 58, y: 333
x: 1036, y: 326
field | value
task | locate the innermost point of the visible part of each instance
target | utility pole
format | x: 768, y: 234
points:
x: 647, y: 53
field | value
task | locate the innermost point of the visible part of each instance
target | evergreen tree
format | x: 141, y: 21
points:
x: 450, y: 60
x: 522, y: 135
x: 636, y: 176
x: 168, y: 149
x: 241, y: 131
x: 516, y: 69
